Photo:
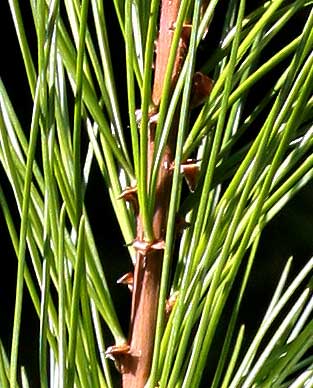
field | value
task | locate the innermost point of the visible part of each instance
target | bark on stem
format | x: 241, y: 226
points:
x: 136, y: 363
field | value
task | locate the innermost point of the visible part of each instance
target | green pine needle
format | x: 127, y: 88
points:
x: 253, y: 154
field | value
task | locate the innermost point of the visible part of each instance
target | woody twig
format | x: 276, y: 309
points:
x: 134, y: 358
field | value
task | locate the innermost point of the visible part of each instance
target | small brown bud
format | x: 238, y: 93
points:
x: 127, y: 279
x: 202, y: 86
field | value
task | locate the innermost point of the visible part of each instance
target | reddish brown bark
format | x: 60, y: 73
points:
x: 168, y: 18
x: 135, y: 358
x: 137, y: 362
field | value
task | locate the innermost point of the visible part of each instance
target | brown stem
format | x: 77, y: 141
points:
x: 169, y: 12
x: 136, y: 360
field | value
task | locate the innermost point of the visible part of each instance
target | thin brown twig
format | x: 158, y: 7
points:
x: 135, y: 357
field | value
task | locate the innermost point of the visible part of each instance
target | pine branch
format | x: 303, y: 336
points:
x: 135, y: 359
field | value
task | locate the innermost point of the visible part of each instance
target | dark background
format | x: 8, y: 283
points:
x: 290, y: 233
